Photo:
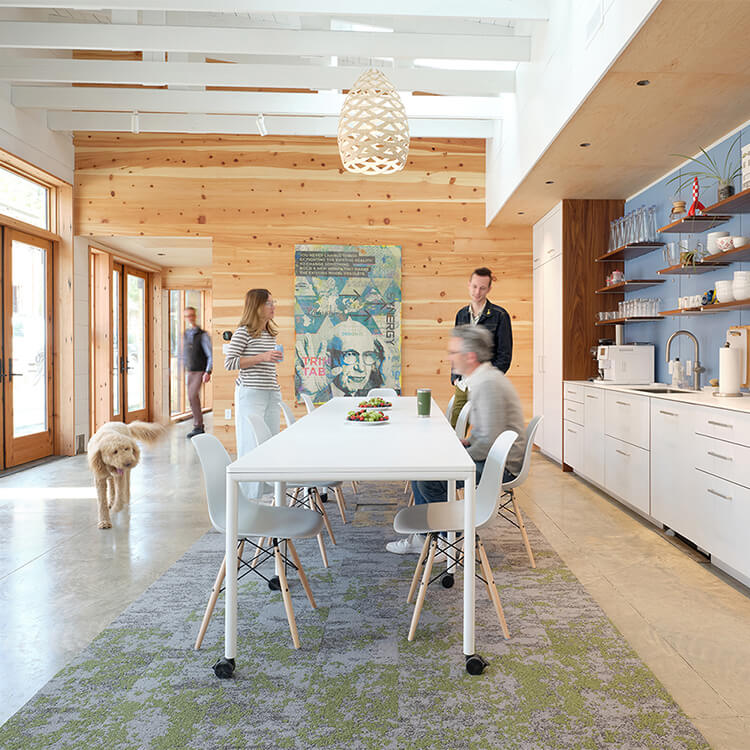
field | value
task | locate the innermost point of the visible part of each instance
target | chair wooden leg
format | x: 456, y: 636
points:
x: 240, y: 550
x: 295, y: 495
x: 415, y: 577
x: 522, y: 526
x: 411, y: 498
x: 317, y: 502
x: 301, y: 572
x: 285, y: 595
x: 322, y: 546
x: 407, y: 487
x: 258, y: 550
x: 355, y: 487
x: 423, y: 587
x: 211, y: 603
x: 492, y: 588
x: 340, y: 500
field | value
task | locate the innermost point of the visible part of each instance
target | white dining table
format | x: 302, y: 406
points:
x: 322, y: 446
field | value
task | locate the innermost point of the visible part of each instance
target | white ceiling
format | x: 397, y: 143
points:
x: 297, y: 55
x: 163, y: 251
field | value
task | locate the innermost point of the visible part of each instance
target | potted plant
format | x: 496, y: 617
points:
x: 707, y: 168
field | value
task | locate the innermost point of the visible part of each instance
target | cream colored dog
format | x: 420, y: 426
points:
x: 113, y: 452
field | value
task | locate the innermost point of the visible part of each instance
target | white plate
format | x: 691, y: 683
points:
x: 356, y: 421
x: 375, y: 408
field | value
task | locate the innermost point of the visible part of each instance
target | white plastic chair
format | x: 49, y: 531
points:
x: 513, y: 514
x: 308, y: 402
x: 382, y: 393
x: 259, y: 433
x: 449, y: 408
x: 338, y: 492
x: 435, y: 519
x: 279, y: 525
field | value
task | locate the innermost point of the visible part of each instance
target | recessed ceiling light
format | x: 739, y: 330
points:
x: 520, y: 213
x: 161, y: 253
x: 643, y: 82
x: 549, y: 182
x: 584, y: 144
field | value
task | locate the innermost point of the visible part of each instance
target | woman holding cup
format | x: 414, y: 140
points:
x: 254, y: 352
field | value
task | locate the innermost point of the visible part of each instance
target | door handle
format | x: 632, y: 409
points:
x: 12, y: 374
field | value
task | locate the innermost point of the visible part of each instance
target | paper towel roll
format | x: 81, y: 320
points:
x: 730, y: 370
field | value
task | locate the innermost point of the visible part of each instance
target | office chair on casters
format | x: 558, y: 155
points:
x: 278, y: 525
x: 513, y: 514
x: 434, y: 519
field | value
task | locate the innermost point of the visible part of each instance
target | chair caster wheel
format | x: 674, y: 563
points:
x: 274, y: 584
x: 475, y: 664
x: 224, y: 668
x: 448, y: 580
x: 323, y: 497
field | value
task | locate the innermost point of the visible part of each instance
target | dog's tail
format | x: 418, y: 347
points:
x: 147, y: 432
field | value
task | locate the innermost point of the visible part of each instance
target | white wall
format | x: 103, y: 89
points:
x: 24, y: 133
x: 569, y: 56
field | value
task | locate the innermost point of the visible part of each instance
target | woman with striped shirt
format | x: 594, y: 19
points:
x: 252, y: 351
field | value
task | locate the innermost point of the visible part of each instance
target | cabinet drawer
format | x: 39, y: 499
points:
x: 728, y: 505
x: 573, y: 392
x: 626, y: 473
x: 626, y: 417
x: 573, y: 411
x: 722, y: 459
x: 572, y: 444
x: 724, y: 424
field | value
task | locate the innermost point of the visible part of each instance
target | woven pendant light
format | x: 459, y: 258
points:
x: 373, y: 130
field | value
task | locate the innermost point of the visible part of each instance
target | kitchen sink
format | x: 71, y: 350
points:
x: 662, y: 390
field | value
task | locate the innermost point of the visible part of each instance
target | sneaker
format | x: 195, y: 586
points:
x: 409, y: 545
x: 195, y: 431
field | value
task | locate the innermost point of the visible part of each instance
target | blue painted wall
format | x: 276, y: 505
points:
x: 709, y: 329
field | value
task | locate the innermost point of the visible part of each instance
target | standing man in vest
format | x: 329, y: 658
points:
x: 480, y: 311
x: 197, y: 358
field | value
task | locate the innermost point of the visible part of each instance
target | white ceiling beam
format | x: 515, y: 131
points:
x: 237, y: 102
x: 530, y: 10
x: 31, y: 35
x: 247, y: 125
x: 28, y: 70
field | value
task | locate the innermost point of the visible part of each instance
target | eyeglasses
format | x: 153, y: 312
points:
x: 271, y: 302
x: 352, y: 356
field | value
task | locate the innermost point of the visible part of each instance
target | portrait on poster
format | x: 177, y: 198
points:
x: 347, y: 319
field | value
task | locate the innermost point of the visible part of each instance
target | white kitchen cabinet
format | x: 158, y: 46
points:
x: 627, y: 417
x: 722, y: 459
x: 724, y: 424
x: 626, y: 473
x: 592, y: 464
x: 672, y: 481
x: 573, y: 444
x: 548, y: 332
x: 573, y: 411
x: 573, y: 392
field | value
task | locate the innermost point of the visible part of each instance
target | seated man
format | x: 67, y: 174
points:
x: 495, y: 407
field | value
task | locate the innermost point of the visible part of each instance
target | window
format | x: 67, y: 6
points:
x: 24, y: 199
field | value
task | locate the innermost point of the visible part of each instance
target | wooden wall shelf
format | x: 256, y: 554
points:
x: 618, y: 321
x: 741, y: 304
x: 631, y: 250
x: 690, y: 270
x: 694, y: 224
x: 736, y: 255
x: 735, y: 204
x: 629, y: 286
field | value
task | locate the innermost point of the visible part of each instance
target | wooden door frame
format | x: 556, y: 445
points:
x: 18, y: 451
x: 140, y: 414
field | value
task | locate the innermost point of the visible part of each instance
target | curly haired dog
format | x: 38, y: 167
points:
x: 112, y: 453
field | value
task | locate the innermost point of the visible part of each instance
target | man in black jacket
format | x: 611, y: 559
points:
x: 197, y: 359
x: 480, y: 311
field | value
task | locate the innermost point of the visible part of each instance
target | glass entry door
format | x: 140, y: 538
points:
x: 130, y: 367
x: 26, y: 368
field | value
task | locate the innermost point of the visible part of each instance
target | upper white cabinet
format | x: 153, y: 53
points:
x: 548, y: 274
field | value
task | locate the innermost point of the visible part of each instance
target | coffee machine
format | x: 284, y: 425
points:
x: 628, y: 364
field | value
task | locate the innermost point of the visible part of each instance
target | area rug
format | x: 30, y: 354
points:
x: 565, y: 679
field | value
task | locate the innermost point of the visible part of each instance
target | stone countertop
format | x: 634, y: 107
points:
x: 700, y: 398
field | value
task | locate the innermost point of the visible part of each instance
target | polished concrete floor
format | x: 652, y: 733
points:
x: 62, y: 580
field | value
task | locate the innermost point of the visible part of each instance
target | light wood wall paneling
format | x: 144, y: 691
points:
x: 186, y: 277
x: 258, y: 197
x: 101, y: 327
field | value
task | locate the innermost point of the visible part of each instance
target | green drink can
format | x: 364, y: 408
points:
x: 424, y: 402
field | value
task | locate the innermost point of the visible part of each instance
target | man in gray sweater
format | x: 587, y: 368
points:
x: 495, y: 407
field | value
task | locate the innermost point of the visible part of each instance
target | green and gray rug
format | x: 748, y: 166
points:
x: 566, y: 679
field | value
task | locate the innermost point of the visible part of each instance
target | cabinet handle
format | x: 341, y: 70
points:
x: 570, y: 408
x: 718, y: 455
x: 588, y: 395
x: 622, y: 403
x: 622, y: 453
x: 549, y: 252
x: 573, y: 431
x: 718, y: 494
x: 720, y: 424
x: 668, y: 413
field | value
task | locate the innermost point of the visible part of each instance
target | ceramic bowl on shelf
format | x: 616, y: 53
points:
x: 724, y: 244
x: 712, y: 239
x: 724, y: 291
x: 740, y: 241
x: 741, y: 289
x: 741, y: 275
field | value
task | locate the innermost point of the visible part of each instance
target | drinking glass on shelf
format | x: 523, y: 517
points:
x: 612, y: 237
x: 651, y: 224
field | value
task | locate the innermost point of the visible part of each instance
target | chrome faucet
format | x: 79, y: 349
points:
x: 697, y: 369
